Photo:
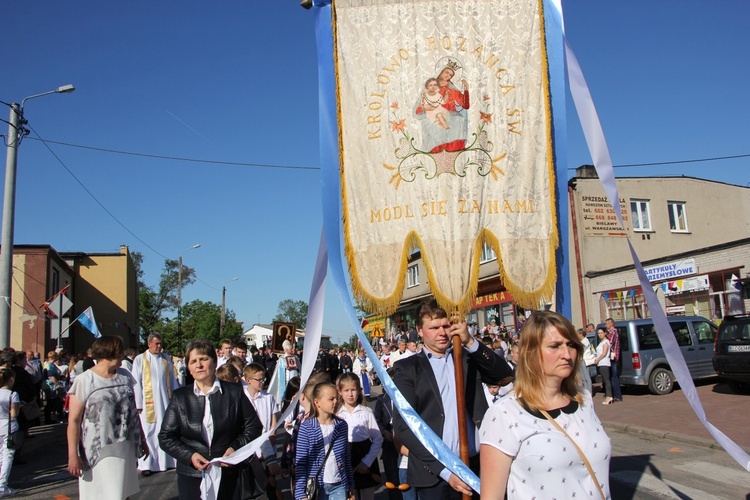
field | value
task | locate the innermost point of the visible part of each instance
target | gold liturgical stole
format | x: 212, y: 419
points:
x: 149, y: 388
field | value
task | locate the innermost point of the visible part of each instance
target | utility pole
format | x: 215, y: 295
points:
x: 9, y: 203
x: 224, y: 306
x: 16, y: 132
x: 223, y: 310
x: 179, y: 291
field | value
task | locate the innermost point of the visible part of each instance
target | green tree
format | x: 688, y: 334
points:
x: 352, y: 343
x: 154, y: 302
x: 201, y: 320
x: 292, y: 311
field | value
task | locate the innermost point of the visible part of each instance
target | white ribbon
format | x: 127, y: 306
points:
x: 597, y: 144
x: 313, y: 331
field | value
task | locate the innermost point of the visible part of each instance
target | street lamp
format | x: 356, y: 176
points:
x: 179, y: 290
x: 16, y: 132
x: 224, y: 305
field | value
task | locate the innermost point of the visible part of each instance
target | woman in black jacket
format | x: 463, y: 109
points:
x: 209, y: 408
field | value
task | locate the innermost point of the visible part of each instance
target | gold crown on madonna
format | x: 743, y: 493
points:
x: 453, y: 65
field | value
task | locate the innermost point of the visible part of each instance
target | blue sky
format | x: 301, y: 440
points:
x: 236, y: 81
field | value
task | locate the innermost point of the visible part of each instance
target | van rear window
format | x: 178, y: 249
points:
x: 647, y: 338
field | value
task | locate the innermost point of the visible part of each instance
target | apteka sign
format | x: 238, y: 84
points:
x: 670, y: 270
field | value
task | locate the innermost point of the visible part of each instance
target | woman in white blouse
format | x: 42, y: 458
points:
x: 535, y: 442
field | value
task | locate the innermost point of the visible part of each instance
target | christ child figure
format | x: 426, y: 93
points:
x: 432, y: 104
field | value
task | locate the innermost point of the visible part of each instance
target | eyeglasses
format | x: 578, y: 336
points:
x: 257, y: 379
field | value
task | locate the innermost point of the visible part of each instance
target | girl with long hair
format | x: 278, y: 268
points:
x: 364, y: 435
x: 322, y: 449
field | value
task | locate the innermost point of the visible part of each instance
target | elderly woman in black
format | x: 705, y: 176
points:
x: 206, y: 420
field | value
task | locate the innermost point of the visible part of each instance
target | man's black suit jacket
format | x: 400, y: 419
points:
x: 416, y: 381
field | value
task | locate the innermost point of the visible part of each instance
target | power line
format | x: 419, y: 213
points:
x: 178, y: 158
x: 676, y: 162
x: 45, y: 142
x: 92, y: 194
x: 302, y: 167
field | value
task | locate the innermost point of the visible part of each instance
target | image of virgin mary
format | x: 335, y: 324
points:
x: 453, y: 137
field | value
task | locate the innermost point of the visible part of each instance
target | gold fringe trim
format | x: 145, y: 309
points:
x: 388, y: 305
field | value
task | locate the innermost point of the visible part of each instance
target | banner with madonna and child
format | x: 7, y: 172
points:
x: 445, y: 135
x: 436, y: 132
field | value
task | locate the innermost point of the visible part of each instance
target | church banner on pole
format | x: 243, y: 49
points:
x: 445, y: 134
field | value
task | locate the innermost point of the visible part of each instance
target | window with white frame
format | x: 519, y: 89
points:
x: 677, y: 216
x: 640, y: 215
x: 488, y: 254
x: 412, y: 275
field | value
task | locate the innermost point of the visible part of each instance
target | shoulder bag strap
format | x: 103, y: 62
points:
x: 580, y: 452
x: 325, y: 458
x: 10, y: 403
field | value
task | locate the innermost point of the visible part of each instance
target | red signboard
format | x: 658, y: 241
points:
x: 490, y: 299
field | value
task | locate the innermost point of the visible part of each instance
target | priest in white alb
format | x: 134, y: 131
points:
x: 155, y: 381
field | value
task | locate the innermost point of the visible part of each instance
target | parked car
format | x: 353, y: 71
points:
x: 732, y: 352
x: 642, y: 359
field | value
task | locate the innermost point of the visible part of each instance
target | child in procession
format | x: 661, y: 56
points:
x: 265, y: 406
x: 322, y: 449
x: 292, y: 427
x: 364, y: 435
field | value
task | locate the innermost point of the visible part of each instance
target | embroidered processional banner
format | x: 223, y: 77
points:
x: 446, y: 146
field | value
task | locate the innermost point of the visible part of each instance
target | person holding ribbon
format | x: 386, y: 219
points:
x: 155, y: 380
x: 427, y: 381
x: 204, y: 421
x: 545, y: 440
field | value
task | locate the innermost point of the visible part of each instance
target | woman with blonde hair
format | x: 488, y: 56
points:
x: 545, y: 439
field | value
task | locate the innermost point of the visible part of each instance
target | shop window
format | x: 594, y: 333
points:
x: 508, y: 315
x: 640, y: 215
x: 488, y: 254
x: 412, y: 275
x: 492, y: 313
x: 677, y: 217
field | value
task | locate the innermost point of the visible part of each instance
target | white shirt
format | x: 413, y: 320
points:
x: 207, y: 428
x: 546, y: 464
x: 331, y: 473
x: 490, y: 398
x: 397, y: 355
x: 265, y: 406
x: 599, y: 350
x: 6, y: 400
x: 363, y: 426
x: 387, y: 360
x: 406, y: 354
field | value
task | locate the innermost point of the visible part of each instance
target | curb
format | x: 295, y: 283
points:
x: 673, y: 436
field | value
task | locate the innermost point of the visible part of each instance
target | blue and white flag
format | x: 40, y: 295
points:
x: 87, y: 319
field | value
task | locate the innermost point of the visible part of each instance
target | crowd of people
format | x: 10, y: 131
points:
x: 530, y: 421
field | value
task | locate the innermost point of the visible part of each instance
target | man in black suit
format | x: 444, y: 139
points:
x: 345, y: 362
x: 427, y: 381
x: 334, y: 368
x: 322, y: 363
